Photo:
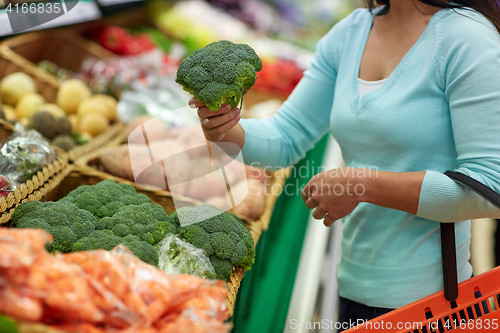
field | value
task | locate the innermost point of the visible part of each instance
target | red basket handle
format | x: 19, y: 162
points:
x: 448, y: 247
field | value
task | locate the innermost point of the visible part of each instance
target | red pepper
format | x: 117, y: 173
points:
x: 114, y: 39
x: 138, y: 44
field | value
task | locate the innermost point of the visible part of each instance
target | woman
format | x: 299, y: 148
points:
x: 410, y: 89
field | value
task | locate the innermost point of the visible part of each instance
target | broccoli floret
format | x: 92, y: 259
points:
x: 121, y: 230
x: 142, y: 221
x: 65, y: 221
x: 105, y: 198
x: 99, y: 239
x: 109, y: 209
x: 102, y: 223
x: 223, y: 267
x: 148, y: 238
x: 219, y: 73
x: 143, y: 251
x: 219, y: 234
x: 131, y: 238
x: 64, y: 238
x: 198, y: 237
x: 223, y: 245
x: 27, y: 222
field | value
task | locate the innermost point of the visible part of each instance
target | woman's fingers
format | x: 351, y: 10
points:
x: 204, y: 112
x: 329, y: 220
x: 194, y: 103
x: 216, y: 121
x: 319, y: 214
x: 219, y: 131
x: 311, y: 204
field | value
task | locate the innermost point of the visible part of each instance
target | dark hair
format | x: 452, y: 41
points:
x: 489, y: 8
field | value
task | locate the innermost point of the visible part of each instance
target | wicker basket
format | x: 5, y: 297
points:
x: 38, y: 186
x: 86, y: 175
x: 112, y: 136
x: 63, y: 47
x: 6, y: 130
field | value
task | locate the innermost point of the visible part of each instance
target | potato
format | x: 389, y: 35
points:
x: 73, y: 119
x: 254, y: 203
x: 16, y: 85
x: 24, y: 121
x: 71, y: 93
x: 29, y: 104
x: 93, y: 124
x: 53, y: 109
x: 91, y: 105
x: 156, y: 130
x: 10, y: 112
x: 117, y: 161
x: 110, y: 102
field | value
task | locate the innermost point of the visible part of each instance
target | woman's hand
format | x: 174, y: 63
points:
x: 216, y: 124
x: 333, y: 194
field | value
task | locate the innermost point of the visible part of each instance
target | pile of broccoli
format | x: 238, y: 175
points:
x: 219, y: 73
x: 100, y: 217
x: 107, y: 214
x: 105, y: 198
x: 223, y: 238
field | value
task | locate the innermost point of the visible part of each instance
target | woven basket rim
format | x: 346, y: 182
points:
x: 110, y: 137
x: 38, y: 180
x: 70, y: 36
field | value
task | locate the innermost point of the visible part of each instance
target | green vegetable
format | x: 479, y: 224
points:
x: 7, y: 325
x: 160, y: 40
x: 65, y: 221
x: 180, y: 257
x: 105, y: 198
x: 219, y: 73
x: 74, y: 226
x: 224, y: 239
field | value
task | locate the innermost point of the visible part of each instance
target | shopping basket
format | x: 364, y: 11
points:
x: 471, y: 306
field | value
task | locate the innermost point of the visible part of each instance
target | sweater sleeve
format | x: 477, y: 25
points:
x: 470, y: 64
x: 303, y: 119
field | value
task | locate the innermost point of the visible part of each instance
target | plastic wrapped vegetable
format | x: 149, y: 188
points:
x: 180, y: 257
x: 102, y: 291
x: 24, y: 154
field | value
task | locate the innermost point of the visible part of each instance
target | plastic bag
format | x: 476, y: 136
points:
x: 24, y: 154
x: 102, y: 291
x: 6, y: 186
x: 36, y: 285
x: 180, y: 257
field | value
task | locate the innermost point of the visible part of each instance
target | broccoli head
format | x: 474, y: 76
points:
x: 143, y: 251
x: 134, y: 221
x: 223, y: 237
x: 223, y: 267
x: 64, y: 220
x: 219, y: 73
x: 105, y: 198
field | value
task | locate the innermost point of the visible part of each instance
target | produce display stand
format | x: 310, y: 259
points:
x: 86, y: 175
x: 63, y: 47
x: 67, y: 49
x: 38, y: 186
x: 6, y: 129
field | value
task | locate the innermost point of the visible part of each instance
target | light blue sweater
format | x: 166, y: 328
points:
x: 439, y: 110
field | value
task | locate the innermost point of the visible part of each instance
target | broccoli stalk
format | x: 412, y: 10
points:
x: 219, y: 73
